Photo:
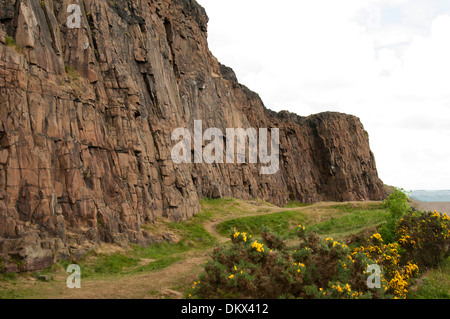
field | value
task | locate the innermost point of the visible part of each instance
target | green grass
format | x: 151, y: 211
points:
x: 435, y: 284
x: 10, y: 42
x: 294, y: 204
x: 12, y: 277
x: 72, y: 73
x: 218, y: 207
x: 194, y: 231
x: 194, y: 237
x: 351, y: 221
x: 12, y: 294
x: 112, y: 264
x: 120, y: 264
x: 8, y: 277
x: 348, y: 219
x: 277, y: 222
x: 349, y: 208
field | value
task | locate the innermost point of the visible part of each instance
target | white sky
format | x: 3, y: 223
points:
x: 387, y: 62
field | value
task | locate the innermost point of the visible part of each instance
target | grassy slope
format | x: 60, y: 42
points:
x: 336, y: 221
x: 151, y: 272
x: 434, y: 284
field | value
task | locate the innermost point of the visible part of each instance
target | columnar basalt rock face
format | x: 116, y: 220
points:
x: 86, y: 116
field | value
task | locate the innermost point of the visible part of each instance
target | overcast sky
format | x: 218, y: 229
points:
x: 387, y: 62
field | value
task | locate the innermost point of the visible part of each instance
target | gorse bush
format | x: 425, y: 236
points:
x: 269, y: 270
x: 315, y: 268
x: 424, y: 238
x: 397, y: 275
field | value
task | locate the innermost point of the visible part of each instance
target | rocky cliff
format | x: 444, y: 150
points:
x: 86, y: 116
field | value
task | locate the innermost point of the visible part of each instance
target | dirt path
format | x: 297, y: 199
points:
x: 166, y: 283
x: 169, y: 282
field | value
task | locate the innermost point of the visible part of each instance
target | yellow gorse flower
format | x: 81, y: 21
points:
x: 377, y: 236
x: 237, y: 234
x: 258, y: 246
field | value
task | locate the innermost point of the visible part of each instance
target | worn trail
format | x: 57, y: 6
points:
x: 170, y: 282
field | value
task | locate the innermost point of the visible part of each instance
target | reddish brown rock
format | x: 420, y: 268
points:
x: 86, y: 117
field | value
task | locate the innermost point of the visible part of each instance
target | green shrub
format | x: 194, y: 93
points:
x: 397, y: 206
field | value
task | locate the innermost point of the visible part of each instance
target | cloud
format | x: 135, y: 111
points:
x: 384, y: 61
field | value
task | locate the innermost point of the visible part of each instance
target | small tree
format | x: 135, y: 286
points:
x: 397, y: 205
